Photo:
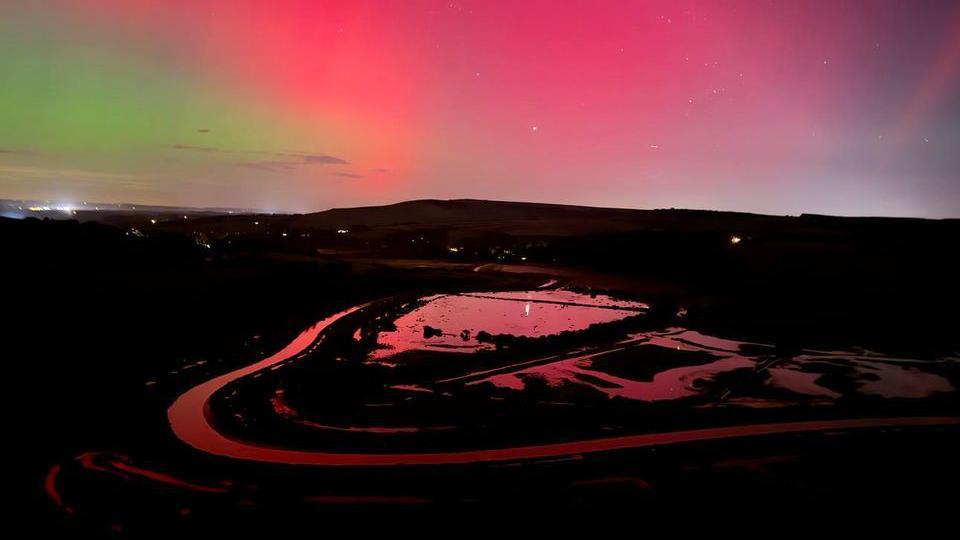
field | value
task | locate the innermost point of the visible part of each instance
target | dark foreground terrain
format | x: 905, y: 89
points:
x: 255, y: 373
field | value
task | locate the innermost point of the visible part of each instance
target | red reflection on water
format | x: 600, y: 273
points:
x: 801, y: 375
x: 52, y: 488
x: 251, y: 451
x: 378, y: 430
x: 165, y: 478
x: 189, y: 417
x: 281, y: 407
x: 519, y: 313
x: 120, y: 466
x: 668, y: 384
x: 284, y: 410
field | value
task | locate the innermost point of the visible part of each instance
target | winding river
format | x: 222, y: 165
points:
x: 190, y: 420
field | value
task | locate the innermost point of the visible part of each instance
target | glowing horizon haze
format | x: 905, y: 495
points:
x: 848, y: 108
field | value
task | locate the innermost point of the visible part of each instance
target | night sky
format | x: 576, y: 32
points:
x: 848, y: 108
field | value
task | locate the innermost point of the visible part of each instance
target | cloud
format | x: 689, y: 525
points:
x: 308, y: 158
x: 290, y: 159
x: 198, y: 148
x: 348, y: 175
x: 76, y: 177
x: 270, y: 166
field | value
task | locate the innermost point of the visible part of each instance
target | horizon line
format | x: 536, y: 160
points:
x: 283, y: 212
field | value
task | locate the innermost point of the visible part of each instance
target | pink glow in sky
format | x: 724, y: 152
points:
x: 775, y: 107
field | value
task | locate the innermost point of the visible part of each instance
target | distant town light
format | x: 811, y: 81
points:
x: 735, y: 239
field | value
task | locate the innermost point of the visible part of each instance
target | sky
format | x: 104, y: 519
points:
x: 837, y: 107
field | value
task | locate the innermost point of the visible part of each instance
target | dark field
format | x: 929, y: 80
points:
x: 511, y: 355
